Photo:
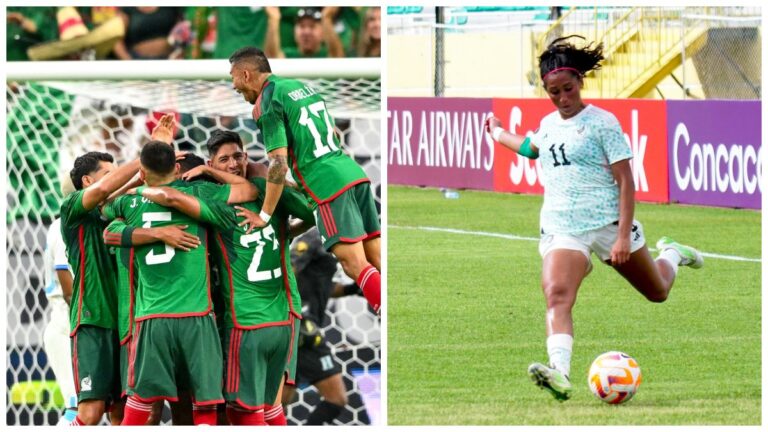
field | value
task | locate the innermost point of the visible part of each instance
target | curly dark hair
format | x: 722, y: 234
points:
x: 563, y: 54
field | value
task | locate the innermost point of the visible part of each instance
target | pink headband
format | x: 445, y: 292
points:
x: 559, y: 69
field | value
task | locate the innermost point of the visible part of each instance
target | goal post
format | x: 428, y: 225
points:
x: 59, y: 110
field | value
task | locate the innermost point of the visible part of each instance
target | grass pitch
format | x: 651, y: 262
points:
x: 466, y: 318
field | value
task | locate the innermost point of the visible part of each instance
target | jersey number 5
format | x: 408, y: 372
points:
x: 262, y: 237
x: 309, y: 121
x: 166, y: 256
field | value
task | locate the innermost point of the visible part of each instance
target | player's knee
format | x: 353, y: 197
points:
x: 337, y: 398
x: 90, y: 414
x: 353, y: 265
x: 559, y: 294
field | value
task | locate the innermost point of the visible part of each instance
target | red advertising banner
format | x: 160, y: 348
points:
x: 644, y: 126
x: 512, y: 172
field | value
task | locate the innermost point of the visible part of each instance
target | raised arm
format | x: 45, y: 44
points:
x: 241, y: 190
x: 517, y: 143
x: 272, y: 40
x: 332, y: 40
x: 170, y: 197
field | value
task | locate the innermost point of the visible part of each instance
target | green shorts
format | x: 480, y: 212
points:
x: 124, y: 367
x: 351, y: 217
x: 96, y: 363
x: 255, y: 365
x: 172, y: 354
x: 290, y: 366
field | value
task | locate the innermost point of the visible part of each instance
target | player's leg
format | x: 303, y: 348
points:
x: 95, y: 352
x: 566, y: 263
x: 151, y: 369
x: 181, y: 410
x: 274, y: 414
x: 334, y: 399
x: 370, y: 217
x: 318, y: 367
x: 343, y: 228
x: 653, y: 278
x: 372, y: 249
x: 57, y: 348
x: 201, y: 352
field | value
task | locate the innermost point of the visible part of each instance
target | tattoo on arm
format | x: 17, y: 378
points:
x: 278, y: 166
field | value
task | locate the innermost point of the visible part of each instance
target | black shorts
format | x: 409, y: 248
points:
x: 316, y: 364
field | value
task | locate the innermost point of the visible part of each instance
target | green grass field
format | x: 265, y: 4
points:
x: 466, y: 318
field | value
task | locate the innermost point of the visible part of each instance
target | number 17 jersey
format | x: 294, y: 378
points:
x: 292, y: 114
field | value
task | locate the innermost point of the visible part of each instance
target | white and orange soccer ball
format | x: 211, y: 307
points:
x: 614, y: 377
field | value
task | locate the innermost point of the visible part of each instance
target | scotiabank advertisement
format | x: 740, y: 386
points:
x: 695, y: 152
x: 715, y: 153
x: 643, y: 123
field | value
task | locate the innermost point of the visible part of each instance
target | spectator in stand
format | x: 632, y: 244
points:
x: 370, y: 39
x: 27, y: 26
x: 237, y: 27
x: 307, y: 32
x: 369, y: 44
x: 146, y: 32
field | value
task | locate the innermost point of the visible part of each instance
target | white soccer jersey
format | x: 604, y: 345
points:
x: 580, y: 193
x: 54, y: 258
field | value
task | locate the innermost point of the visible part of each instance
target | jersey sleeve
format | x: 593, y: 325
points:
x: 614, y: 145
x: 118, y: 233
x: 113, y: 209
x: 272, y: 122
x: 72, y: 210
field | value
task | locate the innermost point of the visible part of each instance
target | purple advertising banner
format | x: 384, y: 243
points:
x: 714, y: 153
x: 439, y: 142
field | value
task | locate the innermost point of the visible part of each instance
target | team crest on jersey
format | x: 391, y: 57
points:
x: 85, y: 384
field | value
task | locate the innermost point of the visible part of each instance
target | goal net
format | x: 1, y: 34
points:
x: 57, y: 111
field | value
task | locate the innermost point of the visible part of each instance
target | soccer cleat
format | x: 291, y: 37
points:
x: 688, y: 256
x: 551, y: 380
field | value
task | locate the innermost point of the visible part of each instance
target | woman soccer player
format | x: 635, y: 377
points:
x: 588, y: 206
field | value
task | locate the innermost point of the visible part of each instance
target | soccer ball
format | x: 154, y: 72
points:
x: 614, y: 377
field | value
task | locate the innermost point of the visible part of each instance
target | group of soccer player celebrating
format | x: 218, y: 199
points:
x: 147, y: 240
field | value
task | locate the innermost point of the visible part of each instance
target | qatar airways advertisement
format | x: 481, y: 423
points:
x: 714, y: 153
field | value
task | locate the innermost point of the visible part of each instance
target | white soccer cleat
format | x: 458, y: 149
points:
x: 688, y: 256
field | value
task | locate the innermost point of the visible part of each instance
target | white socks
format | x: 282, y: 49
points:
x: 672, y: 257
x: 559, y: 348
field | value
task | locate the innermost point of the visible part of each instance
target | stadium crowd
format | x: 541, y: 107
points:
x: 195, y: 32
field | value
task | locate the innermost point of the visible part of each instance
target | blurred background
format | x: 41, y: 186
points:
x: 651, y: 52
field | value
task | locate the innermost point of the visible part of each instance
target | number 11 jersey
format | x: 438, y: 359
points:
x: 580, y: 193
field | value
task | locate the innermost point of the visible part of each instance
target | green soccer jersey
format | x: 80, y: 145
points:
x: 94, y: 298
x: 118, y: 235
x: 172, y: 283
x: 292, y: 114
x: 259, y: 284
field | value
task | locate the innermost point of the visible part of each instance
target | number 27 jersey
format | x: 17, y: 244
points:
x: 580, y: 193
x: 292, y: 114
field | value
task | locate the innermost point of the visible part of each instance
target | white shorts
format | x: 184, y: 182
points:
x: 599, y: 241
x: 58, y: 349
